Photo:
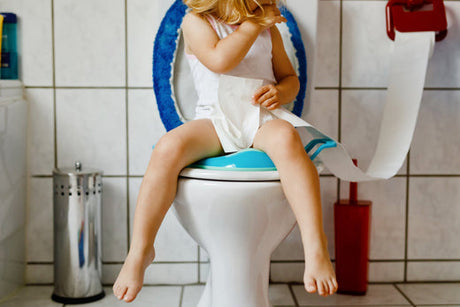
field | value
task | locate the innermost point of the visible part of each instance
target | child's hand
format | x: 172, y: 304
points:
x: 270, y: 14
x: 267, y: 96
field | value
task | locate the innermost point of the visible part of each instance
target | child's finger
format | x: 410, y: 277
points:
x: 274, y: 106
x: 259, y: 93
x: 266, y: 96
x: 269, y: 102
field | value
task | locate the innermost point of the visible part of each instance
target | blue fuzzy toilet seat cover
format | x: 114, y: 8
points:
x: 167, y: 50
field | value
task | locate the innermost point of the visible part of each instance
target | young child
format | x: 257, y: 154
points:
x: 239, y: 38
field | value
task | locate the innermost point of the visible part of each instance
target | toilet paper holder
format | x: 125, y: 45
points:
x: 412, y: 16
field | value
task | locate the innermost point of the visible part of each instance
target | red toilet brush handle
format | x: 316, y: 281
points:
x: 354, y: 188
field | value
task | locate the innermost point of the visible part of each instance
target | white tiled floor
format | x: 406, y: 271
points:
x: 281, y: 295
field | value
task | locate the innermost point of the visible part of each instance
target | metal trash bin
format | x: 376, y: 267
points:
x: 77, y: 235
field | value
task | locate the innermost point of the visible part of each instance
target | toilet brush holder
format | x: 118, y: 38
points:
x: 352, y: 236
x: 77, y: 235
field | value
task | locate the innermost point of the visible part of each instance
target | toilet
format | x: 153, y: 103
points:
x: 233, y: 206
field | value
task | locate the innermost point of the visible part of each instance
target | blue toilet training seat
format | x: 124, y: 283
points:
x: 165, y: 53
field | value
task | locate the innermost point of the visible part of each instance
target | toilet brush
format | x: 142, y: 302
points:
x: 352, y: 234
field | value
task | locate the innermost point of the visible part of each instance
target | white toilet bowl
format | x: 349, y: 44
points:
x: 239, y: 224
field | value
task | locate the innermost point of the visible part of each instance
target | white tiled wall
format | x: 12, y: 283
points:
x: 87, y: 69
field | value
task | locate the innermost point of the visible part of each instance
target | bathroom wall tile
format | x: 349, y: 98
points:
x: 90, y: 43
x: 204, y: 271
x: 192, y: 295
x: 328, y: 44
x: 432, y: 293
x: 366, y: 47
x: 34, y: 40
x: 172, y: 242
x: 144, y: 19
x: 114, y: 219
x: 287, y: 272
x: 39, y: 236
x: 37, y: 274
x: 433, y: 218
x: 145, y: 129
x: 377, y: 295
x: 433, y: 271
x: 291, y: 248
x: 12, y: 263
x: 388, y: 215
x: 204, y: 257
x: 41, y: 131
x: 171, y: 274
x: 110, y: 273
x: 362, y: 112
x: 386, y: 271
x: 434, y: 150
x: 306, y: 19
x: 445, y: 63
x: 91, y: 128
x: 322, y: 111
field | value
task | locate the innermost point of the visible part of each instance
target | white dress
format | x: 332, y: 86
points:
x: 257, y: 64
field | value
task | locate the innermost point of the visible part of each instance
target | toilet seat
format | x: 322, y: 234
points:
x: 246, y: 165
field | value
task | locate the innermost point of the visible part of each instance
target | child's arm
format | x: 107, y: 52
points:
x: 285, y: 91
x: 222, y: 55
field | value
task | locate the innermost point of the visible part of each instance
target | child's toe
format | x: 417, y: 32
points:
x: 119, y: 291
x: 322, y: 290
x: 310, y: 285
x: 331, y: 287
x: 131, y: 294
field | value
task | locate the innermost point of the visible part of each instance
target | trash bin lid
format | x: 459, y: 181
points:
x: 77, y: 170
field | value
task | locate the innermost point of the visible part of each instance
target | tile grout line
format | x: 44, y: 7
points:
x: 404, y: 295
x: 181, y: 296
x: 296, y: 303
x: 53, y: 56
x: 339, y: 122
x: 199, y: 262
x: 128, y: 223
x: 406, y: 226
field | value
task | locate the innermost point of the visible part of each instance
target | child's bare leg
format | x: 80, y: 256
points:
x: 177, y: 149
x: 300, y: 182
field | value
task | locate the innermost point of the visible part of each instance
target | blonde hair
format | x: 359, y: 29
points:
x: 228, y: 11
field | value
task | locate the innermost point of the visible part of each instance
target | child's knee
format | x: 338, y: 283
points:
x: 168, y: 150
x: 284, y: 135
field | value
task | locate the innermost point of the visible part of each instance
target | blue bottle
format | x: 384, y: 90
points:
x: 9, y: 60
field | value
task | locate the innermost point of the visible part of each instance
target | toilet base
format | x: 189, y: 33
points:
x: 239, y: 224
x: 250, y: 292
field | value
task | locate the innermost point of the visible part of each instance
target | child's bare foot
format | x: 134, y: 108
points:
x: 319, y: 274
x: 131, y: 277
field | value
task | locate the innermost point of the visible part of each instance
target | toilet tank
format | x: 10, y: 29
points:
x: 13, y: 190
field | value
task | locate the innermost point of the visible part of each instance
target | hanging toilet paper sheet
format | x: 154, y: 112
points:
x: 409, y: 64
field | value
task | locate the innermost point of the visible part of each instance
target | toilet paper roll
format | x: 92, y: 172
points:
x: 409, y: 64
